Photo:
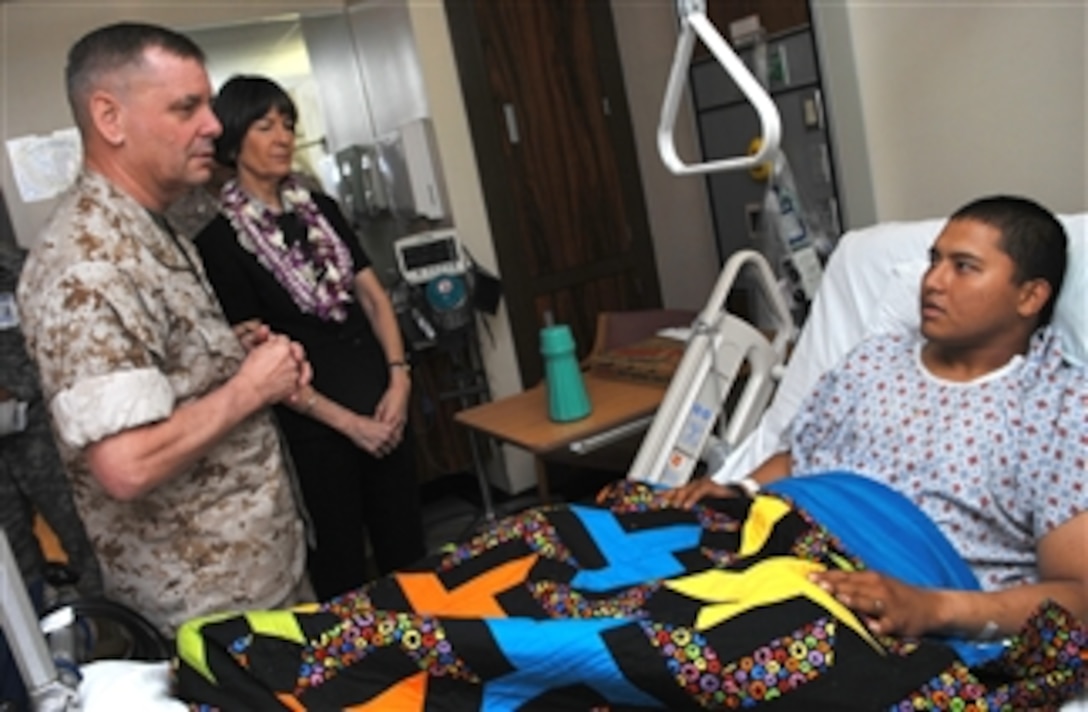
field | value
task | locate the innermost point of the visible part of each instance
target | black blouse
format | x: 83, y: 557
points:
x: 347, y: 358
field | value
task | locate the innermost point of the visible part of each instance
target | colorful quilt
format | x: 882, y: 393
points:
x: 627, y: 606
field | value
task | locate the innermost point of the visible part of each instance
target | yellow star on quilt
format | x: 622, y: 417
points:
x: 763, y: 515
x: 730, y: 593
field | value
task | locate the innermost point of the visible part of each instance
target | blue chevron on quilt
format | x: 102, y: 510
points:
x: 631, y: 605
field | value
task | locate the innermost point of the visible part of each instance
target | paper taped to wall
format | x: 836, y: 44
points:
x: 44, y: 166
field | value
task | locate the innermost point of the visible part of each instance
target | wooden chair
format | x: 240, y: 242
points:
x: 621, y: 328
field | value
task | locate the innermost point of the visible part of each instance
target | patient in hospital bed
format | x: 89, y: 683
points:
x: 978, y: 419
x: 822, y: 592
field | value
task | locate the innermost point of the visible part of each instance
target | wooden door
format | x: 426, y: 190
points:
x: 774, y: 15
x: 553, y: 140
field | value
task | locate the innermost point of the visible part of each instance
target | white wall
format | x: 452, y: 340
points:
x: 958, y: 100
x: 677, y: 206
x: 387, y: 49
x: 339, y: 82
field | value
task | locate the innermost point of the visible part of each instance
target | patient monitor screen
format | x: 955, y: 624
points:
x: 430, y: 253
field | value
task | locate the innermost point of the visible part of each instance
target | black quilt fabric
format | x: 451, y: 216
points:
x: 631, y: 606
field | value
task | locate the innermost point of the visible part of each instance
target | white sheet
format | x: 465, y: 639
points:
x: 124, y: 686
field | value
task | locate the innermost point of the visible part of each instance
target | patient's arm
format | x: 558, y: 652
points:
x: 891, y: 606
x: 773, y: 468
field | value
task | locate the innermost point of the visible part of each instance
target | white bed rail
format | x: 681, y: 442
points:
x: 719, y: 346
x: 694, y: 24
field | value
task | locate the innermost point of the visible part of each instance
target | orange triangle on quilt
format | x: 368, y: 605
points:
x: 408, y: 695
x: 290, y: 702
x: 476, y: 598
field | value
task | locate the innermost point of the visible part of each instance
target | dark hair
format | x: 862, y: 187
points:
x: 113, y: 47
x: 1031, y: 235
x: 240, y: 103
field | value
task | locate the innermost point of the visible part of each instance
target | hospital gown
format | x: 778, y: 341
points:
x: 997, y: 463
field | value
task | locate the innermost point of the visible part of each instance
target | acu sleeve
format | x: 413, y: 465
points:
x: 99, y: 345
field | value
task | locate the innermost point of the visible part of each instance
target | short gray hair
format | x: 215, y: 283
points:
x: 108, y: 49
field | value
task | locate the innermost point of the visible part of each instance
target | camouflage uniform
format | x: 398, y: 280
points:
x: 31, y: 474
x: 125, y: 328
x: 190, y: 213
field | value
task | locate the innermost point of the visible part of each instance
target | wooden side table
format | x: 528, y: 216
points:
x: 620, y: 408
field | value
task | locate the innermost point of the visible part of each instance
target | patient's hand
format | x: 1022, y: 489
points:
x: 606, y: 493
x: 687, y: 496
x: 888, y: 606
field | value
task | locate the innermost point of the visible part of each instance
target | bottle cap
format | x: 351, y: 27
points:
x: 556, y: 339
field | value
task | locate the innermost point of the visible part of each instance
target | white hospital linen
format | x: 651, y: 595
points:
x: 127, y: 686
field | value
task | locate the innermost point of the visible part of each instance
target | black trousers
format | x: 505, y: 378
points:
x: 352, y: 495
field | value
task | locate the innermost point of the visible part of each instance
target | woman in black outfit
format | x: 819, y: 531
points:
x: 283, y: 258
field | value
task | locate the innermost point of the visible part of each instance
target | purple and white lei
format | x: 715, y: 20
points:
x: 320, y: 282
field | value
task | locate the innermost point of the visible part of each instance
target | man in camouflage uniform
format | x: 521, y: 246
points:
x: 162, y: 417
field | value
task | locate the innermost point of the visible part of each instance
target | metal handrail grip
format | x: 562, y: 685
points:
x: 694, y: 23
x: 719, y: 345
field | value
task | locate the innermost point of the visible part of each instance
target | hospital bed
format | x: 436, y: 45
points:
x: 870, y: 286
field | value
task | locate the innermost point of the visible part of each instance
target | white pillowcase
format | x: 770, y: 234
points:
x: 1071, y: 313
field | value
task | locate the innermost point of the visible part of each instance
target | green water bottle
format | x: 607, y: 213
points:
x: 567, y: 397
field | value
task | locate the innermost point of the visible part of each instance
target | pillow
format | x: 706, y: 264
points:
x: 1071, y: 312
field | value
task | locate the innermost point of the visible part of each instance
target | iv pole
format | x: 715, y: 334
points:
x: 48, y: 693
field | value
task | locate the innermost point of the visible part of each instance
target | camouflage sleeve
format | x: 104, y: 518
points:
x: 98, y: 342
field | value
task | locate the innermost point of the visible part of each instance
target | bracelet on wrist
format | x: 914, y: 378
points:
x: 308, y: 406
x: 749, y: 486
x: 403, y: 365
x: 991, y: 631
